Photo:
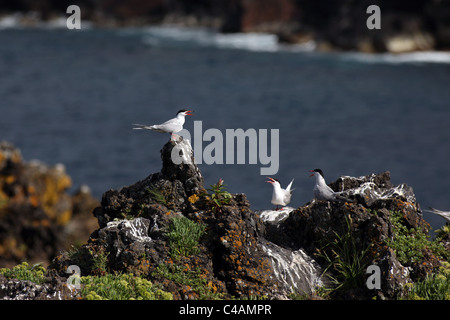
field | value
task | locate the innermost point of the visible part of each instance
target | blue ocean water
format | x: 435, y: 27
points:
x: 71, y: 97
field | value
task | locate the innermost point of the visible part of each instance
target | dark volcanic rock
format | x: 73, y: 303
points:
x: 163, y: 191
x: 240, y: 260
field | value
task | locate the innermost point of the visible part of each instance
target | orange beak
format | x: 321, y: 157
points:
x: 188, y: 113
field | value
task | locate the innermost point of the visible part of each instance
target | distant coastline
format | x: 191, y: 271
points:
x: 414, y: 26
x: 208, y: 37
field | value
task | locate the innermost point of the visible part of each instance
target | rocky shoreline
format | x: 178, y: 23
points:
x: 190, y: 242
x: 406, y: 26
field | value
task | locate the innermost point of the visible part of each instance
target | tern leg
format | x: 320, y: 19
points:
x: 174, y: 137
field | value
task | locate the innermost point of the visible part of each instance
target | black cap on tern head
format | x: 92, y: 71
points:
x: 184, y: 110
x: 319, y: 171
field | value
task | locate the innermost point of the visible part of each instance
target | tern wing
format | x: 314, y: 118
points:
x: 324, y: 193
x: 434, y: 210
x: 144, y: 127
x: 172, y: 125
x: 288, y: 188
x: 287, y: 197
x: 443, y: 214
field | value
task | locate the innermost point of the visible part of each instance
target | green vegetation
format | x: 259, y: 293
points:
x: 105, y: 287
x: 410, y: 244
x: 90, y: 258
x: 24, y: 272
x: 121, y: 287
x: 156, y: 195
x: 346, y: 262
x: 184, y: 236
x: 442, y: 232
x: 192, y: 279
x: 434, y: 287
x: 219, y: 196
x: 99, y: 261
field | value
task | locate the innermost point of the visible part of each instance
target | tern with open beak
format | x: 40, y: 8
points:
x: 280, y: 196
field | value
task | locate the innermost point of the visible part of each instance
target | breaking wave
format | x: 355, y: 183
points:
x: 391, y: 58
x: 180, y: 36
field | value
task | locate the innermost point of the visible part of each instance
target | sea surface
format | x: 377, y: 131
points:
x: 71, y: 97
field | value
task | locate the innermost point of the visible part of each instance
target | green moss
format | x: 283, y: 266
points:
x: 24, y: 272
x: 184, y: 236
x: 121, y: 287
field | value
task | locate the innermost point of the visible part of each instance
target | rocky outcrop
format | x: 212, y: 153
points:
x: 242, y: 253
x: 233, y: 258
x: 36, y: 212
x: 199, y: 243
x: 156, y: 194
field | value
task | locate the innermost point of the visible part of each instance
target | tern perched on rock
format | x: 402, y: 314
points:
x: 322, y: 191
x: 171, y: 126
x: 443, y: 214
x: 280, y: 196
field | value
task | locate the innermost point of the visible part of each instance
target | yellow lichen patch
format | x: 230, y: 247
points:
x: 143, y: 267
x: 31, y: 190
x: 64, y: 182
x: 64, y: 217
x: 10, y: 247
x: 212, y: 286
x: 10, y: 179
x: 3, y: 198
x: 40, y: 223
x: 34, y: 200
x: 193, y: 199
